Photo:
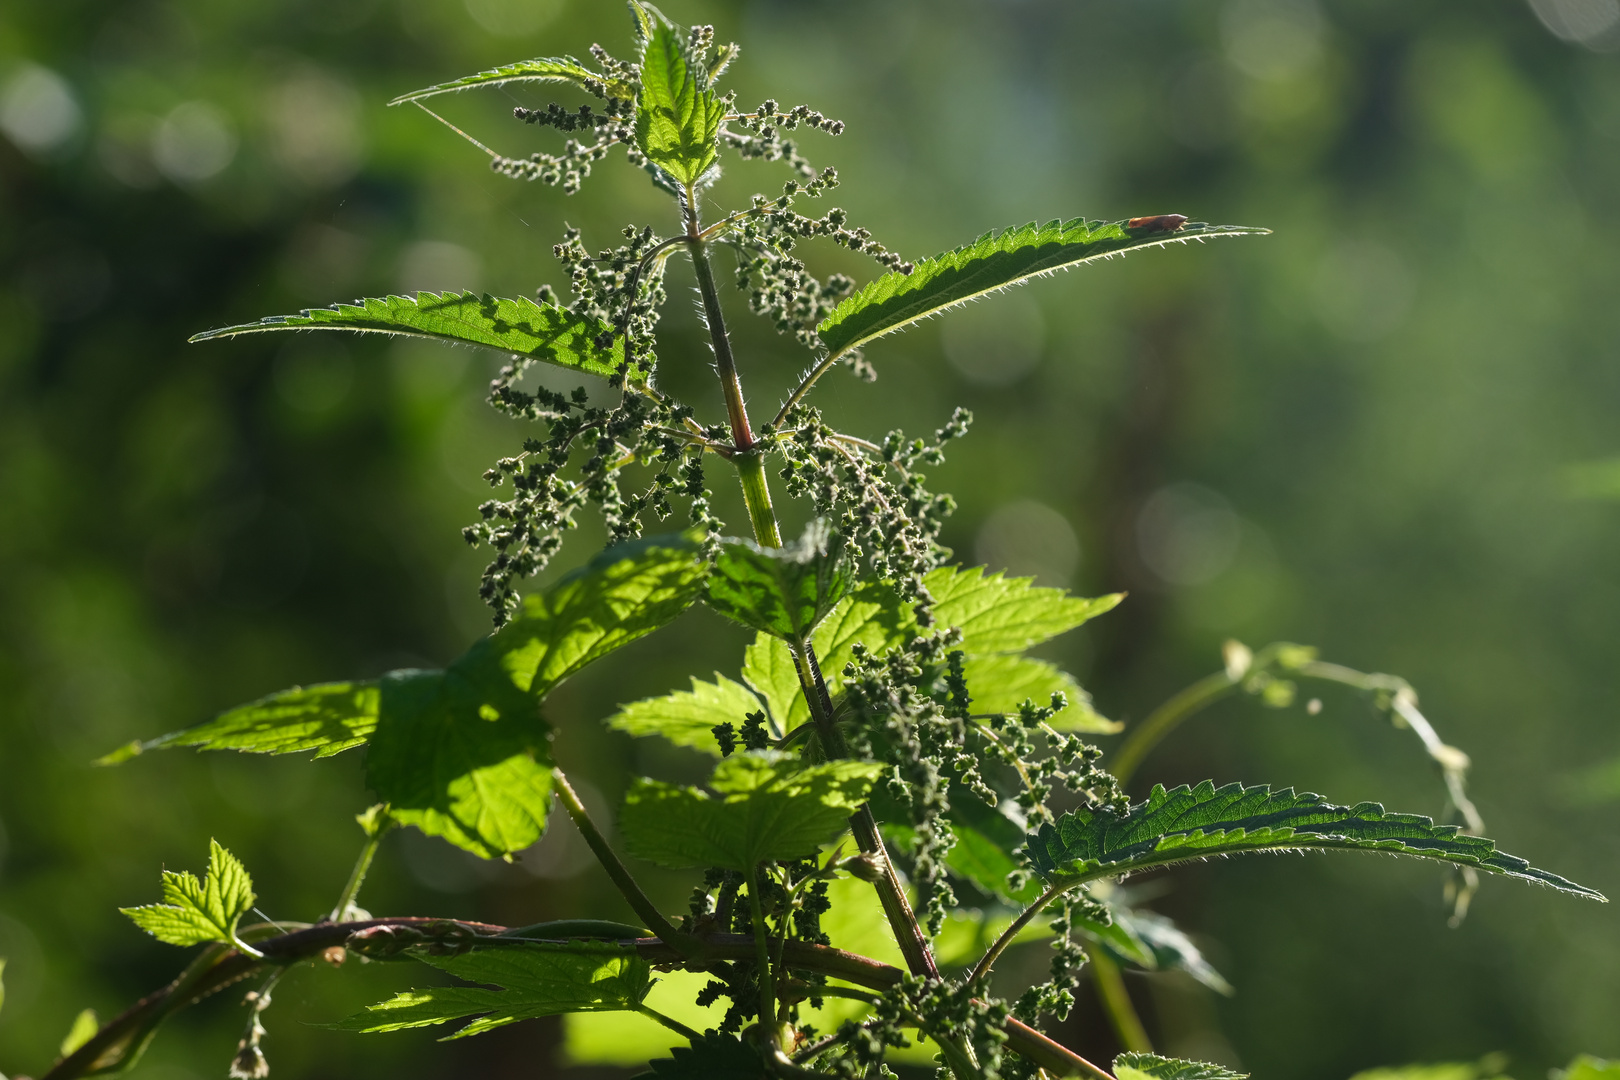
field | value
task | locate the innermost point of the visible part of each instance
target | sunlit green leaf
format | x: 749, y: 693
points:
x: 785, y: 592
x: 194, y: 912
x: 85, y: 1025
x: 677, y: 114
x: 1133, y: 1066
x: 535, y: 980
x: 713, y: 1056
x: 992, y: 262
x: 769, y: 669
x: 1195, y: 823
x: 768, y: 807
x: 1587, y: 1067
x: 545, y: 69
x: 688, y: 717
x: 999, y: 614
x: 327, y: 718
x: 545, y: 332
x: 1001, y: 683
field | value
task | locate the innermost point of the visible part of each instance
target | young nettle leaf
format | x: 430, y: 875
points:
x: 1195, y: 823
x: 327, y: 718
x: 712, y: 1056
x: 677, y: 114
x: 1133, y: 1066
x: 545, y: 69
x: 535, y: 979
x: 769, y: 806
x: 785, y: 592
x: 544, y: 332
x: 688, y: 717
x: 992, y: 262
x: 195, y: 912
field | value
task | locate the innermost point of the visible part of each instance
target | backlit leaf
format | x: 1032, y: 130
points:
x: 535, y: 980
x: 327, y: 718
x: 85, y: 1025
x: 194, y: 912
x: 999, y: 614
x: 545, y: 332
x: 992, y: 262
x: 785, y: 592
x: 1587, y: 1067
x: 1195, y: 823
x: 1001, y: 683
x: 1151, y: 942
x: 768, y: 807
x: 677, y: 114
x: 545, y: 69
x: 687, y: 717
x: 1133, y: 1066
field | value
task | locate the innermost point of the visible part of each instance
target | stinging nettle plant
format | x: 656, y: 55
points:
x: 888, y: 749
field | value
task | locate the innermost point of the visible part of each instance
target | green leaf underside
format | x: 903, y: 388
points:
x: 327, y: 718
x: 1134, y: 1066
x: 998, y: 616
x: 545, y: 332
x: 785, y: 592
x: 544, y: 69
x: 687, y: 717
x: 195, y: 912
x: 677, y: 115
x: 1195, y: 823
x: 536, y: 980
x: 712, y: 1056
x: 992, y: 262
x: 1152, y: 942
x: 769, y: 807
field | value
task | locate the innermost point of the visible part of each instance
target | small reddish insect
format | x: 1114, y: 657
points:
x: 1158, y: 222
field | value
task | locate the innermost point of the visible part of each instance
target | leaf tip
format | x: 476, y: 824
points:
x: 133, y: 748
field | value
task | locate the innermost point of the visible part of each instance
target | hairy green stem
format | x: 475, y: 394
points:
x: 357, y: 876
x: 902, y: 920
x: 638, y: 900
x: 757, y: 494
x: 670, y: 1022
x: 725, y: 365
x: 997, y: 947
x: 1116, y: 1002
x: 762, y: 960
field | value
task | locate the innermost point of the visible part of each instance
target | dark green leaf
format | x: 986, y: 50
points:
x: 769, y: 807
x: 1196, y: 823
x: 711, y: 1056
x: 992, y: 262
x: 785, y: 592
x: 545, y: 69
x: 1147, y: 940
x: 535, y: 979
x: 677, y: 114
x: 1132, y: 1066
x: 544, y: 332
x: 327, y: 718
x: 195, y: 911
x: 686, y: 718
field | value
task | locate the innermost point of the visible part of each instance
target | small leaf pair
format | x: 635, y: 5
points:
x: 197, y: 912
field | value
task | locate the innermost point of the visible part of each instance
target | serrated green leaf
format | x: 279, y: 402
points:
x: 712, y: 1056
x: 1002, y: 683
x: 1134, y: 1066
x: 687, y: 717
x: 769, y: 807
x: 992, y: 262
x: 1196, y: 823
x: 677, y: 114
x: 85, y: 1025
x: 327, y: 718
x: 535, y: 979
x: 768, y: 668
x: 545, y: 332
x: 544, y: 69
x: 461, y: 753
x: 195, y: 912
x: 785, y: 592
x: 999, y: 614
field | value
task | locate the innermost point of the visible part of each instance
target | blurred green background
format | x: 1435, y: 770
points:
x: 1356, y: 433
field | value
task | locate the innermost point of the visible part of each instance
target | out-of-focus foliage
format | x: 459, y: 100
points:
x: 1357, y: 433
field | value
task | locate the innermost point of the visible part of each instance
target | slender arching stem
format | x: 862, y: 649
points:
x: 804, y: 386
x: 997, y: 947
x: 1116, y: 1002
x: 362, y: 865
x: 638, y: 900
x: 1163, y: 720
x: 670, y: 1022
